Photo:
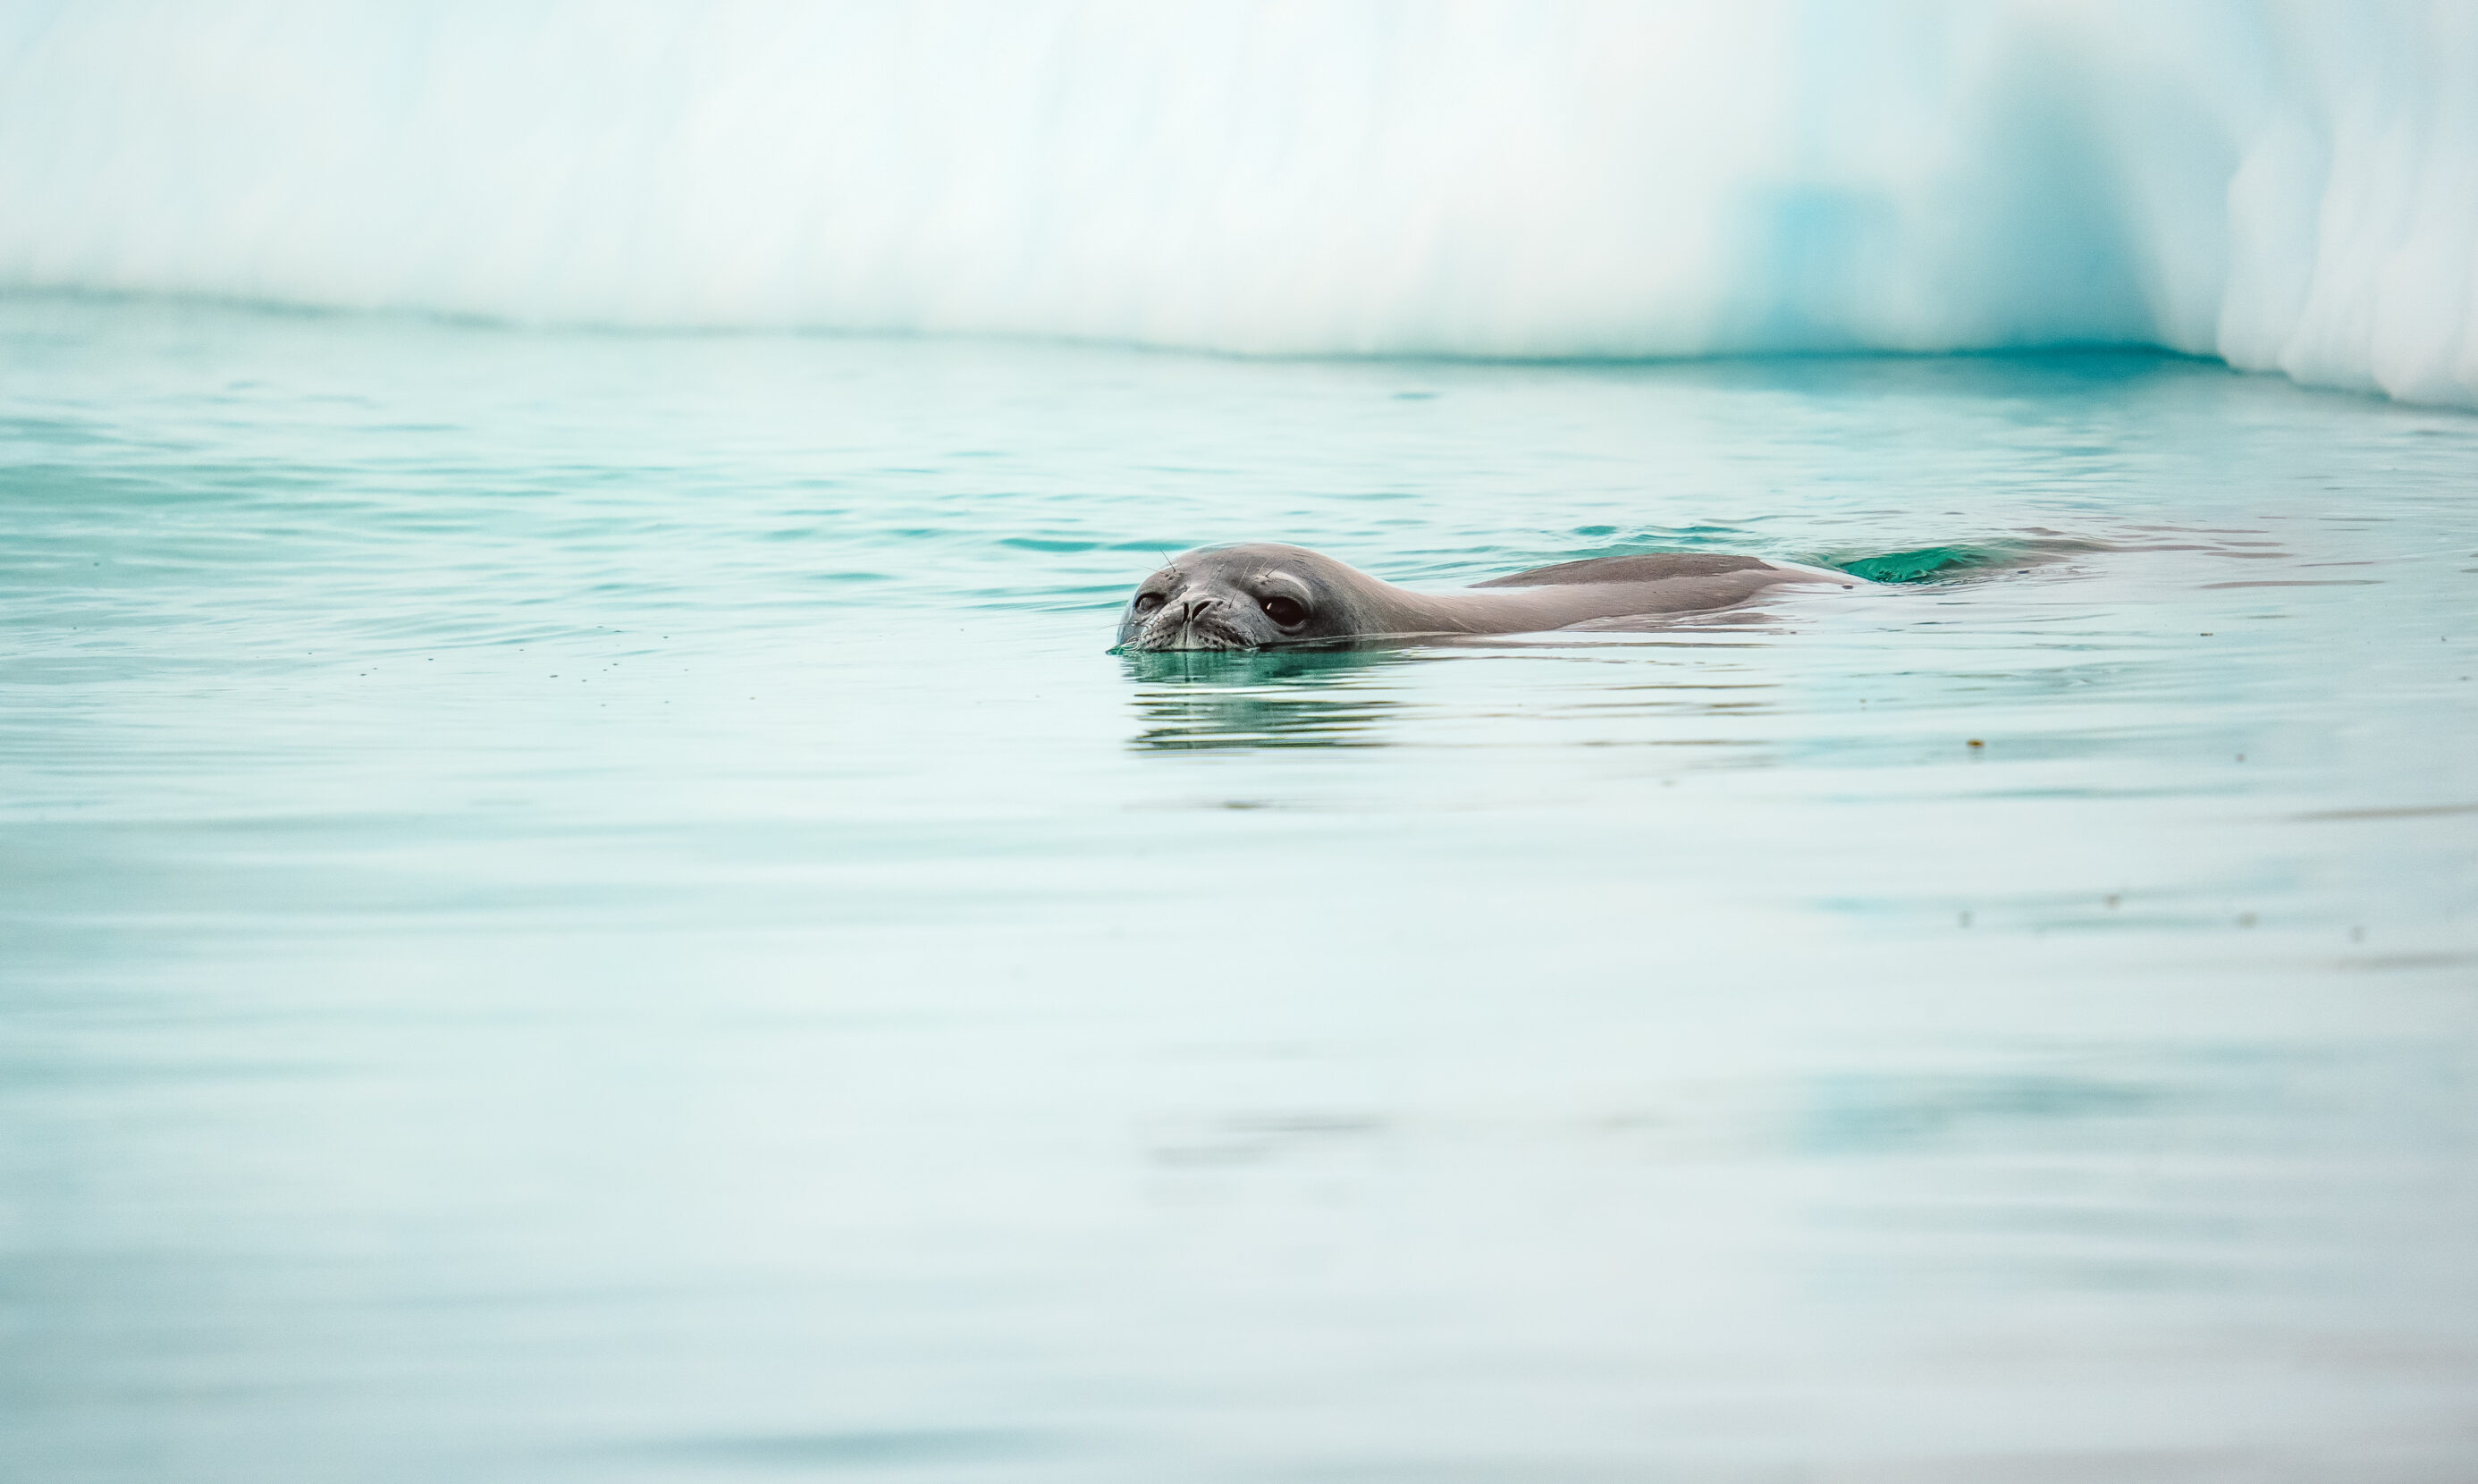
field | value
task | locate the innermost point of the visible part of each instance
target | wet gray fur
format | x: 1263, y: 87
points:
x: 1265, y: 596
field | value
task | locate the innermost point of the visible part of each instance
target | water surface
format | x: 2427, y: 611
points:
x: 592, y: 907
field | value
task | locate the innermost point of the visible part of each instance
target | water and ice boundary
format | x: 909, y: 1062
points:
x: 2288, y: 186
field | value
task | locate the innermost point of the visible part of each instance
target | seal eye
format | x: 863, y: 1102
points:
x: 1286, y: 612
x: 1147, y: 602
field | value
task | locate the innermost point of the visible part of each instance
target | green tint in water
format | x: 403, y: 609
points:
x: 592, y: 908
x: 1925, y: 563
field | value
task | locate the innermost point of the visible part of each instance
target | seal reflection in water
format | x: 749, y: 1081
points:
x: 1267, y: 596
x: 1251, y: 699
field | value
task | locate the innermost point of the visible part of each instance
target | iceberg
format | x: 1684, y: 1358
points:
x: 2288, y: 187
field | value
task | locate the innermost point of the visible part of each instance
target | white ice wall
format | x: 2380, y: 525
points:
x: 2289, y: 186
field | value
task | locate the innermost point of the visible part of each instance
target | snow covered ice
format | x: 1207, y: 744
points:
x: 2292, y: 188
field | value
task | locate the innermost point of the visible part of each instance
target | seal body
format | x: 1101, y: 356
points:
x: 1266, y: 595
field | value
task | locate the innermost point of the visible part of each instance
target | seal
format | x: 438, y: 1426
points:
x: 1267, y: 596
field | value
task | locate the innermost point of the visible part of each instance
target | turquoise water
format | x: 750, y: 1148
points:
x: 592, y: 907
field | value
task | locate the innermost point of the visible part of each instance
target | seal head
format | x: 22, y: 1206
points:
x: 1260, y: 596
